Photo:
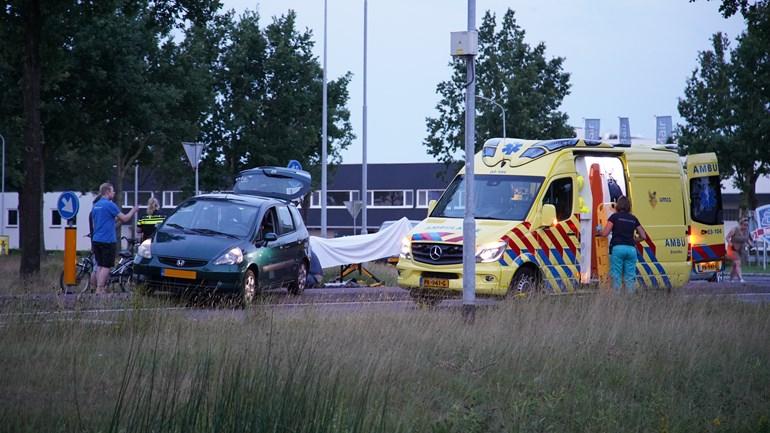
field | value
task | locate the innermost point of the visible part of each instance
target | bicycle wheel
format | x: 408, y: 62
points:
x: 82, y: 281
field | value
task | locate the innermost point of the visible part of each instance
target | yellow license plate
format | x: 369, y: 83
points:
x: 708, y: 266
x: 435, y: 283
x: 179, y: 273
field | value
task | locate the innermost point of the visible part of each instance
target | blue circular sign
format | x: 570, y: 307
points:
x: 68, y: 205
x: 294, y: 165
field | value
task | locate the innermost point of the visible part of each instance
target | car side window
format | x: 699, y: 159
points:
x: 559, y: 194
x: 284, y: 220
x: 298, y: 223
x: 268, y: 223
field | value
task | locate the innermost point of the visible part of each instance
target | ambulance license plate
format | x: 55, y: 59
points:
x: 435, y: 283
x: 179, y: 273
x: 708, y: 267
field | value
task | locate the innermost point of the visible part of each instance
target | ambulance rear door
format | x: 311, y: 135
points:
x: 707, y: 238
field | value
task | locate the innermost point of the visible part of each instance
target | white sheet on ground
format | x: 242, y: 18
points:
x: 361, y: 248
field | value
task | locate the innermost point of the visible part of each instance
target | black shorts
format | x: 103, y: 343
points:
x: 104, y: 254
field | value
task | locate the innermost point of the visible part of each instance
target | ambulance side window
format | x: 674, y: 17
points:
x: 559, y: 194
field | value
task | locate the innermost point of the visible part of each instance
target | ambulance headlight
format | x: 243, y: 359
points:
x: 145, y: 251
x: 406, y: 248
x: 490, y: 252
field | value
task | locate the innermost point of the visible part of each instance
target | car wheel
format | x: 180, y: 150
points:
x: 297, y: 287
x: 249, y: 287
x: 524, y: 283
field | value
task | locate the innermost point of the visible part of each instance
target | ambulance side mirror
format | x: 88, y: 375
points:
x: 431, y: 206
x: 548, y: 215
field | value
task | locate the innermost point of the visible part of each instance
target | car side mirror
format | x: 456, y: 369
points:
x: 548, y: 215
x: 269, y: 237
x: 431, y: 206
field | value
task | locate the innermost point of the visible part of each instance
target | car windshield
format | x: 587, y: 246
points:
x: 215, y: 217
x: 498, y: 197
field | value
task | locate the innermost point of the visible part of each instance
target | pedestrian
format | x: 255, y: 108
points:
x: 146, y: 224
x: 104, y: 241
x: 737, y: 240
x: 623, y: 225
x: 315, y: 275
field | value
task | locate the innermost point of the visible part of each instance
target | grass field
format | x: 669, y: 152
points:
x: 557, y: 364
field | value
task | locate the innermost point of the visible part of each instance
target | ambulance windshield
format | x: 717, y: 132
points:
x: 498, y: 197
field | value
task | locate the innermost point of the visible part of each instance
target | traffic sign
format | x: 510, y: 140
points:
x: 294, y: 165
x: 68, y: 205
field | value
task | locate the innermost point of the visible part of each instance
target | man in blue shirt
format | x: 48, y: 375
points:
x: 104, y: 241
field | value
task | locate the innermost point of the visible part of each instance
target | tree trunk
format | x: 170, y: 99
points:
x: 31, y: 203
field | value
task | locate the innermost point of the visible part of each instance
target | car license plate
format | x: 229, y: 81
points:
x: 435, y: 283
x: 708, y: 267
x: 179, y: 273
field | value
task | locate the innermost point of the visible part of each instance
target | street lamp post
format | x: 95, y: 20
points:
x: 324, y: 138
x: 502, y: 109
x: 364, y: 174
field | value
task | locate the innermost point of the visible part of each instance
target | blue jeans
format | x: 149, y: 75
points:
x: 623, y: 268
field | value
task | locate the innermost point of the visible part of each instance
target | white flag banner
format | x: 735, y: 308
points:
x: 592, y: 129
x: 624, y: 136
x: 663, y: 128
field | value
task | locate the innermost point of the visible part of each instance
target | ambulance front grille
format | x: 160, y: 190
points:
x: 437, y: 254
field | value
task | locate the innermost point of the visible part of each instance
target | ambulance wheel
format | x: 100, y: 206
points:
x: 525, y: 282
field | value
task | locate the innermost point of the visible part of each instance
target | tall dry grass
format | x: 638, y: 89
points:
x: 47, y: 281
x: 592, y: 364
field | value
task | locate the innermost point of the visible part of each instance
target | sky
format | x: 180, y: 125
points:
x: 628, y: 58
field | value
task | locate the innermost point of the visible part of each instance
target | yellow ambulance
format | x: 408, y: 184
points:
x: 537, y: 203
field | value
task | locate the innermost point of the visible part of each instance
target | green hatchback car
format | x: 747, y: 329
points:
x: 238, y: 243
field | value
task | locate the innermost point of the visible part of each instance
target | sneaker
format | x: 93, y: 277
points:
x: 742, y: 280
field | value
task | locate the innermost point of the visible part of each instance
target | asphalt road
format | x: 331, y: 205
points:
x: 342, y: 299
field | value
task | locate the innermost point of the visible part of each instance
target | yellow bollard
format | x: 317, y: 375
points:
x: 70, y: 255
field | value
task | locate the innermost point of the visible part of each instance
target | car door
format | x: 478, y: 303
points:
x: 290, y: 244
x: 558, y: 245
x: 270, y: 260
x: 707, y: 226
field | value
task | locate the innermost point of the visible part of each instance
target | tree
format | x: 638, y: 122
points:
x: 268, y: 104
x: 727, y: 101
x: 96, y: 89
x: 514, y: 74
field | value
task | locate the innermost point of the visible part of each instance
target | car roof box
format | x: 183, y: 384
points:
x: 275, y: 182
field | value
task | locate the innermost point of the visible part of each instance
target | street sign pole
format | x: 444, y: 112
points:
x: 469, y: 223
x: 194, y: 152
x: 2, y: 197
x: 136, y: 195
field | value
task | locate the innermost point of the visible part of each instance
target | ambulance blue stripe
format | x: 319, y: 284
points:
x: 696, y: 256
x: 659, y: 267
x: 650, y: 274
x: 502, y: 262
x: 711, y: 254
x: 571, y: 256
x: 544, y: 257
x: 558, y: 257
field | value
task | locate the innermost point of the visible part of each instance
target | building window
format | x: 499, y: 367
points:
x: 55, y: 218
x: 172, y: 199
x: 334, y: 199
x: 144, y: 197
x: 13, y: 218
x: 424, y: 196
x: 403, y: 198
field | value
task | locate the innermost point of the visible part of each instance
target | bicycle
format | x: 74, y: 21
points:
x: 122, y: 273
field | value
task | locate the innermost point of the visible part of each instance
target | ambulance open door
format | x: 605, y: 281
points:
x: 706, y: 237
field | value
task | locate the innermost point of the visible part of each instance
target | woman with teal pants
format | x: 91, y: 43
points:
x: 622, y: 224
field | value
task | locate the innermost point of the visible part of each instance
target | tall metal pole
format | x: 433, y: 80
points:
x: 324, y: 138
x: 498, y: 106
x: 136, y: 194
x: 2, y: 197
x: 197, y: 190
x: 469, y: 223
x: 364, y: 180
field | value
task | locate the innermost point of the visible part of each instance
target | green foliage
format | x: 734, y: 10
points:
x: 726, y: 101
x: 129, y: 80
x: 516, y: 75
x: 268, y: 105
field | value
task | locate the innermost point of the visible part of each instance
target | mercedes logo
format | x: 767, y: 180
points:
x: 435, y: 252
x: 180, y: 263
